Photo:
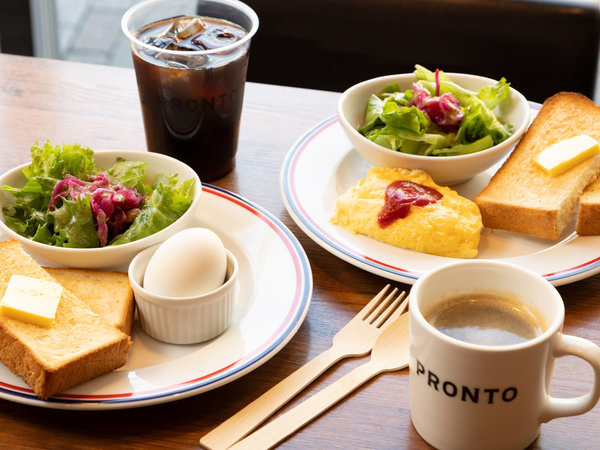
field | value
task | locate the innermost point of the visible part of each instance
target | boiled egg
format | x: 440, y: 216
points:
x: 187, y: 264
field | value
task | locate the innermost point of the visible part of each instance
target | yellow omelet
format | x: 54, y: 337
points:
x: 449, y: 226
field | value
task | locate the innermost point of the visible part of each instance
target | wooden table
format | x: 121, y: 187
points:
x: 97, y: 106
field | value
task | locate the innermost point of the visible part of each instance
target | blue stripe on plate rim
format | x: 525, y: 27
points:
x: 329, y: 243
x: 298, y: 310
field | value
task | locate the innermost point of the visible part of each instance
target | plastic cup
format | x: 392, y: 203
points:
x: 191, y: 99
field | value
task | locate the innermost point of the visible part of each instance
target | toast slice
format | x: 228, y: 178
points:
x: 108, y: 293
x: 588, y: 218
x: 79, y: 346
x: 522, y: 197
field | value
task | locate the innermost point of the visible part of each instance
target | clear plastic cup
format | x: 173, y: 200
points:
x: 192, y: 99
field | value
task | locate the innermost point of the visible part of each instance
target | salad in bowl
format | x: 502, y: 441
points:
x: 75, y: 207
x: 451, y: 125
x: 436, y: 117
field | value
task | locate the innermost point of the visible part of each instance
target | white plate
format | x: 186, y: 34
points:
x: 275, y: 288
x: 322, y: 165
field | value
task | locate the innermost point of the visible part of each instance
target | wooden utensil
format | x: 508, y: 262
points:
x: 355, y: 339
x: 390, y: 352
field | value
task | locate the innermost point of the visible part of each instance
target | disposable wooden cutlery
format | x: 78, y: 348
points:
x: 390, y: 352
x: 356, y: 339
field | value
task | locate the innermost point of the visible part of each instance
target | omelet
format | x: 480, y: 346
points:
x: 446, y: 224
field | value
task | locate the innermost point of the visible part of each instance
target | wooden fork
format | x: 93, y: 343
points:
x: 355, y: 339
x: 390, y: 352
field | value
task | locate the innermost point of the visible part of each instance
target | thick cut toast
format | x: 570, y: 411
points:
x: 522, y: 197
x: 108, y: 293
x: 79, y: 346
x: 588, y: 218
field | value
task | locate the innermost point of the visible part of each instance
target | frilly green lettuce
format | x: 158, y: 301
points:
x: 71, y: 223
x: 392, y: 122
x: 168, y: 201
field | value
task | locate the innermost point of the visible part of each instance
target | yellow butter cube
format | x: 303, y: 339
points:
x: 564, y: 155
x: 31, y: 300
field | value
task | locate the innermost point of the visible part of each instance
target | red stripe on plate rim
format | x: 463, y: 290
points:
x: 327, y: 237
x: 301, y: 147
x: 269, y: 342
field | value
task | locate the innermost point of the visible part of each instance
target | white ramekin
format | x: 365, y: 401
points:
x: 187, y: 320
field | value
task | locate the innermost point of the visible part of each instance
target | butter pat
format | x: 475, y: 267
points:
x: 564, y: 155
x: 31, y: 300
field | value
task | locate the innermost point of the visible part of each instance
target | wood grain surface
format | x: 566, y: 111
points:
x: 97, y: 106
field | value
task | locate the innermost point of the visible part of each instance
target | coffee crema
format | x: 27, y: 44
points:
x: 485, y: 318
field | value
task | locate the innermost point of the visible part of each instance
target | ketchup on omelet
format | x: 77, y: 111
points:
x: 400, y: 195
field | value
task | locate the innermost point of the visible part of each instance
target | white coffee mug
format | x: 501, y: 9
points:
x: 468, y: 396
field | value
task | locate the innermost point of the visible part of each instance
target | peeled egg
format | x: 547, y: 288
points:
x: 189, y: 263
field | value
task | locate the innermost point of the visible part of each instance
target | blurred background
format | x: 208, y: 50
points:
x: 540, y: 46
x: 74, y: 30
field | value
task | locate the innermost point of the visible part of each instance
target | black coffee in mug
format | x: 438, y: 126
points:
x: 485, y: 319
x: 494, y: 396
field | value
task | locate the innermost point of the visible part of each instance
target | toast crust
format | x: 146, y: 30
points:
x: 79, y: 346
x: 523, y: 198
x: 588, y: 218
x: 46, y: 379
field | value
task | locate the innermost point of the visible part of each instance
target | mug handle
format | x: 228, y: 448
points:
x: 562, y: 407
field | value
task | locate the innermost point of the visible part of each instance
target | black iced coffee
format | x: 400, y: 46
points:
x: 191, y: 85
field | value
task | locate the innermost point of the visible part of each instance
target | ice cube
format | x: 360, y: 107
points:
x: 171, y: 32
x: 182, y: 28
x: 190, y: 28
x: 197, y: 61
x: 174, y: 37
x: 182, y: 61
x: 160, y: 41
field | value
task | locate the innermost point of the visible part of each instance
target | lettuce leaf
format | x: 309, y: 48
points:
x: 479, y: 122
x: 57, y: 161
x: 131, y: 173
x: 169, y: 200
x: 391, y: 122
x: 372, y: 111
x: 465, y: 149
x: 26, y: 210
x: 409, y: 141
x: 72, y: 223
x: 404, y: 129
x: 33, y: 194
x: 407, y: 118
x: 493, y: 95
x: 75, y: 224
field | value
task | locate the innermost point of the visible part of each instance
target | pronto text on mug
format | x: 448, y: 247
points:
x: 466, y: 393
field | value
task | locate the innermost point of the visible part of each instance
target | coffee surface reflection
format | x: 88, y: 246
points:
x: 485, y: 319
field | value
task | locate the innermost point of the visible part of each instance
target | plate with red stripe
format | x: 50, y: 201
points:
x: 322, y: 165
x: 274, y: 293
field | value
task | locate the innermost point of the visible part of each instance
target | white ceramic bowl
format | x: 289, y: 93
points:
x: 444, y: 170
x: 118, y: 256
x: 183, y: 320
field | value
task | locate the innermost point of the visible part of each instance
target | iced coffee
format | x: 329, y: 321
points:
x: 191, y: 71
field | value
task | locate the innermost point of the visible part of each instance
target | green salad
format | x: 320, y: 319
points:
x: 436, y: 117
x: 69, y: 202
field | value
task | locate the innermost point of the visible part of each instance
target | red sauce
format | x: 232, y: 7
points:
x: 399, y: 196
